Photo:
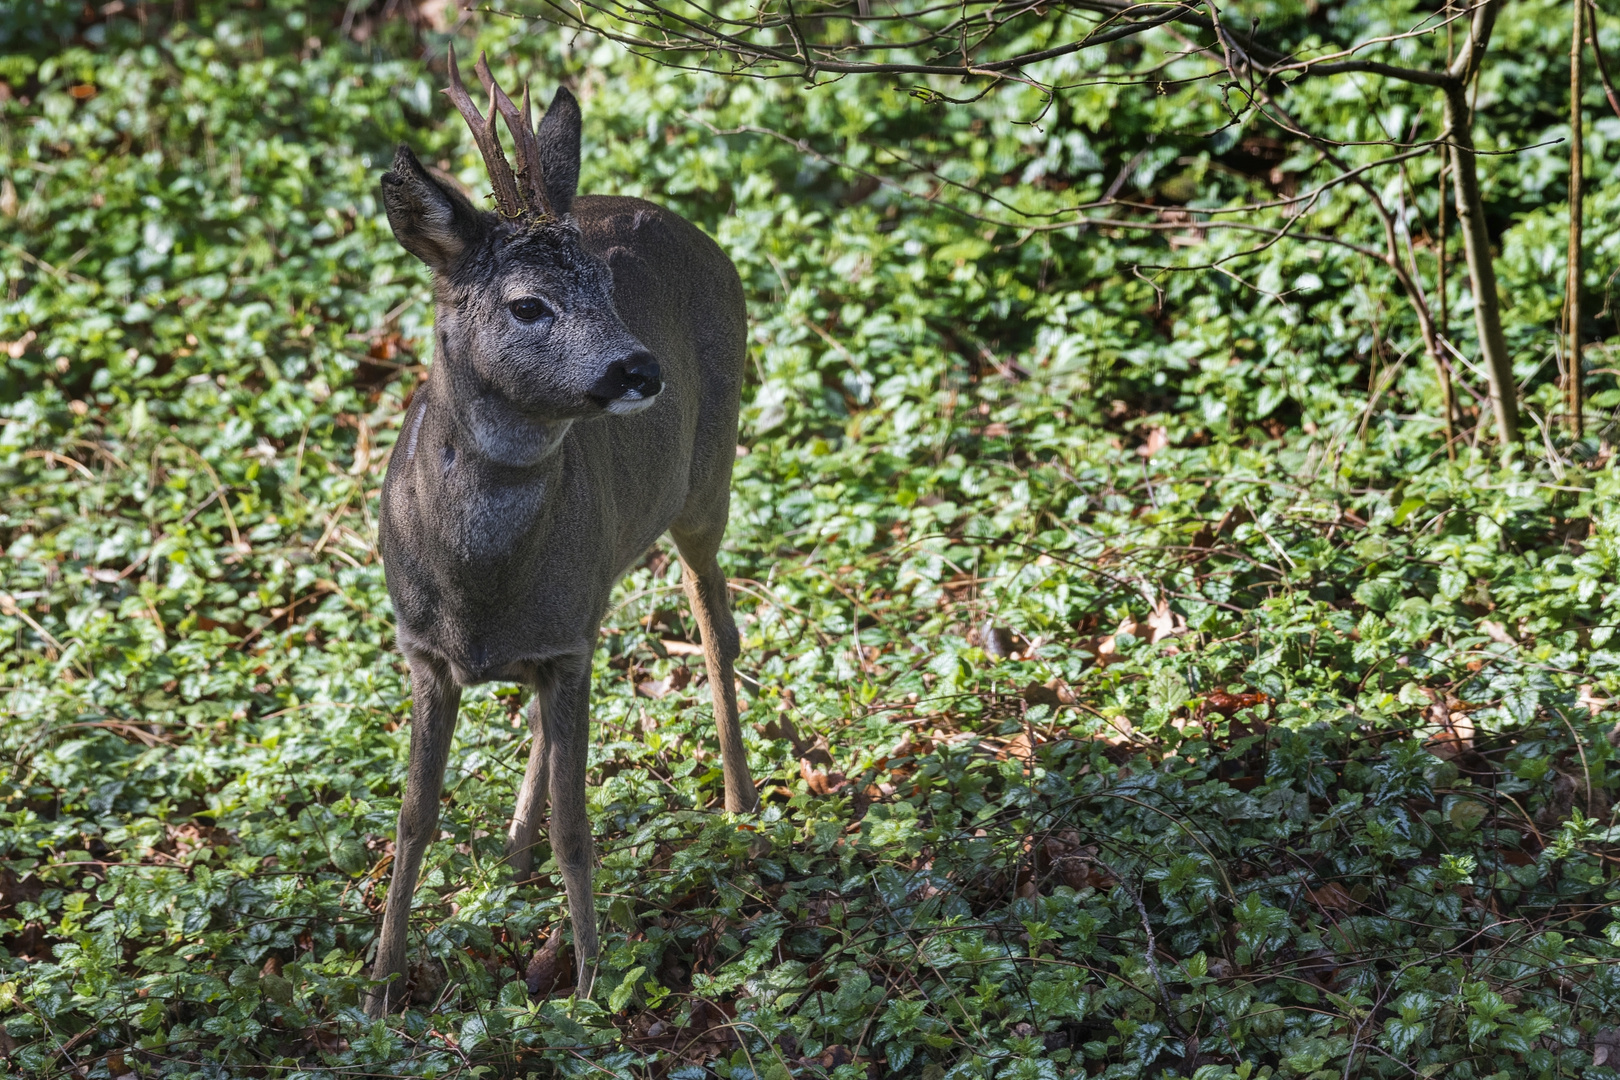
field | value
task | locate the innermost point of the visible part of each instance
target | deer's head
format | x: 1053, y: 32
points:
x: 529, y: 339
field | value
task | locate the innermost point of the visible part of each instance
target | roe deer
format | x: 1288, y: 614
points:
x: 583, y: 400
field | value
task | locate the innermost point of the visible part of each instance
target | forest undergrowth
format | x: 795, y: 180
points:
x: 1136, y: 683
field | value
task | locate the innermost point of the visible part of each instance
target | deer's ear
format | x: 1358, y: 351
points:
x: 430, y: 219
x: 559, y: 150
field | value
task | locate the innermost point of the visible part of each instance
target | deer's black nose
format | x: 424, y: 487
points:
x: 635, y: 378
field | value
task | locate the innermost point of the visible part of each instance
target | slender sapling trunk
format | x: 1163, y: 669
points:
x: 1573, y: 397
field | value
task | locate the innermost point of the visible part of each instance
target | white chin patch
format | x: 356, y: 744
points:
x: 632, y: 402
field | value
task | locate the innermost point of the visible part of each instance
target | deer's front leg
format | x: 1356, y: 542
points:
x: 531, y: 800
x: 567, y: 708
x: 434, y: 697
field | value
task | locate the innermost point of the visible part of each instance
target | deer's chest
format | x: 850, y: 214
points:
x: 491, y: 577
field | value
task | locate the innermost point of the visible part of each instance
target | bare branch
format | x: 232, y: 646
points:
x: 679, y: 32
x: 1466, y: 65
x: 1602, y: 67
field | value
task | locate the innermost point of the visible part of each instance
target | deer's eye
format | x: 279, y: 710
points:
x: 530, y: 309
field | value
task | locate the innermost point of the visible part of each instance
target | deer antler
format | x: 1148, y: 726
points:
x: 509, y: 197
x: 530, y: 174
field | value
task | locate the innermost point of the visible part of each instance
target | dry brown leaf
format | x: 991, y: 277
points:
x: 1589, y: 699
x: 1119, y: 731
x: 15, y: 349
x: 1605, y: 1046
x: 1019, y: 747
x: 1164, y: 623
x: 1157, y: 440
x: 1053, y: 693
x: 677, y: 679
x: 818, y: 754
x: 384, y: 348
x: 1229, y: 705
x: 1331, y: 897
x: 1455, y: 736
x: 819, y: 781
x: 548, y: 967
x: 1078, y: 871
x: 834, y: 1056
x: 1106, y: 650
x: 362, y: 449
x: 1001, y: 642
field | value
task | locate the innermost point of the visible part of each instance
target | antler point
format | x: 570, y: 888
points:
x: 512, y: 201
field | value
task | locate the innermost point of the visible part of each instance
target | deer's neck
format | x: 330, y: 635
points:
x: 485, y: 479
x: 492, y: 428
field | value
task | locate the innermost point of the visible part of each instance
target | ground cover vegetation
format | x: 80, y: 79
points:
x: 1137, y: 685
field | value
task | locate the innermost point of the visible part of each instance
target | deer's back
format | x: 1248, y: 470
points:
x: 679, y: 293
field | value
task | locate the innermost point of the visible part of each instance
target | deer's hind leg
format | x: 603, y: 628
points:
x: 531, y: 800
x: 707, y: 592
x: 434, y: 700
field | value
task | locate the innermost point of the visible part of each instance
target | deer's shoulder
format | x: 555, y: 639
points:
x: 622, y: 221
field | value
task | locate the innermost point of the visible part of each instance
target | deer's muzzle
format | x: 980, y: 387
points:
x: 628, y: 385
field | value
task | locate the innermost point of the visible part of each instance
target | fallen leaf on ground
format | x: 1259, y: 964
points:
x: 819, y: 781
x: 1019, y: 747
x: 1228, y: 705
x: 1589, y: 699
x: 1053, y: 693
x: 1164, y: 623
x: 1002, y: 643
x: 834, y: 1056
x: 548, y: 966
x: 1157, y: 440
x: 678, y: 679
x: 1456, y: 735
x: 1331, y: 897
x: 1605, y: 1046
